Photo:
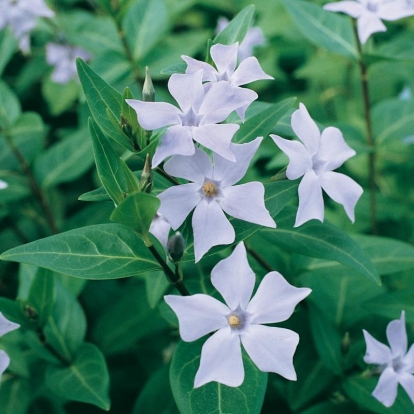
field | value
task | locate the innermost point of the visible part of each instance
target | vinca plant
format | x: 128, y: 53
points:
x: 206, y: 206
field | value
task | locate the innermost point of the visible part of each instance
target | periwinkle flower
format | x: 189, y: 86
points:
x: 240, y: 321
x: 315, y: 158
x: 3, y: 185
x: 395, y: 363
x: 5, y: 327
x: 212, y: 192
x: 370, y: 13
x: 198, y: 117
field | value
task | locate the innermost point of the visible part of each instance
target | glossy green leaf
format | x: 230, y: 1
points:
x: 325, y: 29
x: 137, y: 212
x: 85, y: 380
x: 14, y: 311
x: 16, y: 395
x: 100, y: 97
x: 236, y: 30
x: 156, y: 285
x: 116, y: 177
x: 321, y: 240
x: 8, y: 46
x: 99, y: 194
x: 213, y: 397
x: 9, y: 106
x: 145, y: 24
x: 128, y: 112
x: 104, y: 251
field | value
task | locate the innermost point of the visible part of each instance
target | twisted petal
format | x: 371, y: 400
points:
x: 248, y: 71
x: 229, y: 173
x: 176, y: 140
x: 306, y: 129
x: 154, y: 115
x: 275, y: 299
x: 343, y: 190
x: 225, y: 57
x: 198, y: 315
x: 377, y: 352
x: 187, y: 89
x: 300, y: 160
x: 217, y: 138
x: 234, y: 278
x: 178, y: 201
x: 7, y: 326
x: 211, y: 228
x: 4, y: 362
x: 352, y: 8
x: 310, y: 199
x: 246, y: 202
x: 333, y: 150
x: 397, y: 336
x: 221, y: 360
x: 407, y: 382
x: 409, y: 360
x: 386, y: 389
x: 272, y: 349
x: 367, y: 24
x: 194, y: 168
x: 193, y: 65
x: 246, y: 95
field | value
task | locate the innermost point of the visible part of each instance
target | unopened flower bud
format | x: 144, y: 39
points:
x: 145, y: 184
x: 148, y: 91
x: 176, y: 247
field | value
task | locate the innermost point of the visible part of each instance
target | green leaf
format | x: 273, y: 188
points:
x: 18, y: 187
x: 213, y: 397
x: 174, y: 68
x: 8, y: 45
x: 115, y: 175
x: 262, y: 124
x: 325, y: 29
x: 156, y: 285
x: 9, y: 106
x: 85, y: 380
x: 100, y: 97
x: 14, y: 311
x: 400, y: 49
x: 104, y: 251
x: 128, y: 112
x: 236, y: 30
x: 322, y: 240
x: 15, y: 395
x: 145, y: 24
x: 60, y: 97
x: 99, y: 194
x: 65, y: 161
x: 137, y: 212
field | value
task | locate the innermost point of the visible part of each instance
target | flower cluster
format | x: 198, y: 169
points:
x: 5, y: 327
x: 370, y: 13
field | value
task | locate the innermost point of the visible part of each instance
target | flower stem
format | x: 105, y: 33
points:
x: 259, y: 258
x: 363, y: 71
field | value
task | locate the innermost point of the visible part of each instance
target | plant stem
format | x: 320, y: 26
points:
x: 167, y: 176
x: 363, y: 71
x: 259, y: 258
x: 42, y: 338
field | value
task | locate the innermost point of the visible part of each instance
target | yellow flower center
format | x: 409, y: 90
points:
x: 209, y: 189
x: 234, y: 321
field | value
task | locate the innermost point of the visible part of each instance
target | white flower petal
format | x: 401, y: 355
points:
x: 160, y: 228
x: 154, y: 115
x: 225, y: 57
x: 211, y: 228
x: 397, y: 336
x: 254, y: 37
x: 377, y: 352
x: 245, y: 95
x: 342, y: 189
x: 246, y: 202
x: 310, y: 199
x: 306, y: 129
x: 178, y: 201
x: 272, y: 349
x: 395, y: 10
x: 217, y: 138
x: 55, y: 53
x: 234, y: 278
x: 409, y: 360
x: 24, y: 43
x: 407, y: 382
x: 177, y: 140
x: 352, y: 8
x: 193, y: 65
x: 3, y: 185
x: 386, y: 389
x: 195, y: 168
x: 221, y: 360
x: 367, y: 24
x: 248, y: 71
x: 229, y: 173
x: 37, y: 8
x: 333, y: 150
x: 4, y: 362
x: 7, y: 326
x: 198, y: 315
x: 300, y: 160
x: 187, y: 89
x: 275, y: 299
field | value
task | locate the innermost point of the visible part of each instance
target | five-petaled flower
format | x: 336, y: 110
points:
x: 395, y: 363
x: 21, y: 15
x: 240, y: 321
x: 197, y: 119
x: 315, y: 159
x: 211, y: 192
x: 225, y: 58
x: 370, y: 13
x: 5, y: 327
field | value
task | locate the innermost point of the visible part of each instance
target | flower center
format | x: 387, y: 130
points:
x: 209, y: 189
x: 234, y: 321
x: 398, y: 364
x: 372, y: 6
